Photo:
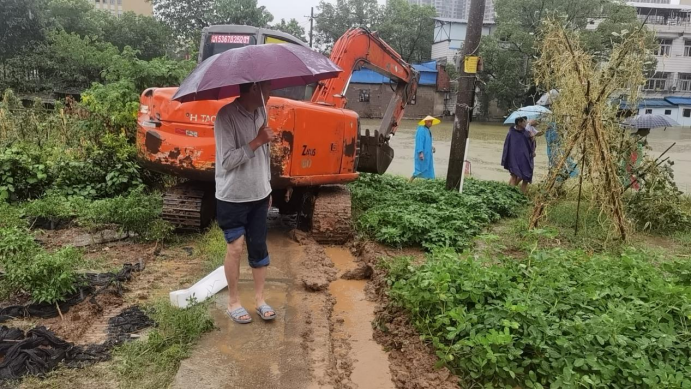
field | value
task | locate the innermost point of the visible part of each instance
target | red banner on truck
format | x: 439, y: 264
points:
x: 237, y: 39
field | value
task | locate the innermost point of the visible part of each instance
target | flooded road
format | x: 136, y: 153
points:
x: 485, y: 150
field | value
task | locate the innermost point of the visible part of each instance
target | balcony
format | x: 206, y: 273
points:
x: 670, y: 28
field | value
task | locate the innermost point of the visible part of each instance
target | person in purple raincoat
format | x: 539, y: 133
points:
x: 517, y: 154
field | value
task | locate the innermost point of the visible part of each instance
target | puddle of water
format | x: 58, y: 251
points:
x: 371, y: 365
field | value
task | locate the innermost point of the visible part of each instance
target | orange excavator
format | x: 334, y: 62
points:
x: 319, y: 146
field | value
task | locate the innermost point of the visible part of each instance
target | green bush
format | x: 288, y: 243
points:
x: 557, y: 319
x: 53, y: 208
x: 394, y: 212
x: 136, y: 212
x: 23, y: 173
x: 105, y: 169
x: 47, y: 277
x: 659, y: 206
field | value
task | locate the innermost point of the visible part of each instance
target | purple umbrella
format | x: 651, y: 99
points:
x: 284, y: 64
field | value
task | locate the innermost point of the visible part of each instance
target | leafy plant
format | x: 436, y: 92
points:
x: 659, y: 206
x: 52, y: 209
x: 47, y: 277
x: 424, y: 213
x: 23, y: 174
x: 557, y: 319
x: 137, y: 212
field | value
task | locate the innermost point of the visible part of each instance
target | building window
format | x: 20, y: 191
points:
x: 648, y: 111
x: 364, y: 96
x: 687, y: 52
x: 120, y: 2
x: 120, y: 13
x: 657, y: 82
x: 667, y: 112
x: 663, y: 49
x: 684, y: 82
x: 686, y: 112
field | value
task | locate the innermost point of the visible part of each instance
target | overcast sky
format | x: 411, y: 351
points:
x: 298, y: 9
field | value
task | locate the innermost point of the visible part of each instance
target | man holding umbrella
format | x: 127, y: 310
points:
x: 242, y: 135
x: 243, y: 191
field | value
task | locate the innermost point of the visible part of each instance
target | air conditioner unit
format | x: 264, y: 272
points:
x: 673, y: 88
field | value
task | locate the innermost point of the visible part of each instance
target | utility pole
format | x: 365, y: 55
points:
x: 465, y: 94
x: 312, y: 17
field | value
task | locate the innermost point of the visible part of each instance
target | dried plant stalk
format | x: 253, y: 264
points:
x: 585, y: 115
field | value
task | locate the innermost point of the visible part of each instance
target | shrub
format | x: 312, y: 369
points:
x: 136, y: 212
x: 47, y: 277
x: 53, y: 209
x: 557, y: 319
x: 394, y: 212
x: 102, y: 170
x: 23, y: 173
x: 659, y: 206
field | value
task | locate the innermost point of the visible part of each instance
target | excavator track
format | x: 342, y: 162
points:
x: 331, y: 215
x: 188, y: 206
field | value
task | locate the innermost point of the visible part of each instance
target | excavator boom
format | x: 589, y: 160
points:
x: 359, y: 48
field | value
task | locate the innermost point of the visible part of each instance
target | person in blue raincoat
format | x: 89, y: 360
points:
x: 423, y: 150
x: 555, y: 153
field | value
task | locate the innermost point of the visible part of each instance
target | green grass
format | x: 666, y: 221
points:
x: 211, y: 246
x: 152, y: 363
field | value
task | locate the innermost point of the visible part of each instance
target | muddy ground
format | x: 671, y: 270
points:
x: 326, y: 297
x: 487, y: 139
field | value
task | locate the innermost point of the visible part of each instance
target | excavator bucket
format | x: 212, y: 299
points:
x: 375, y: 153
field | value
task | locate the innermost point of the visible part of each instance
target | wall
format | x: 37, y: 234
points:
x: 449, y: 38
x: 141, y: 7
x: 118, y: 7
x: 676, y: 113
x: 683, y: 121
x: 428, y: 101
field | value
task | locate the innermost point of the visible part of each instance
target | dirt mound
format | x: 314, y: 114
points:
x: 362, y: 272
x: 316, y: 270
x: 411, y: 362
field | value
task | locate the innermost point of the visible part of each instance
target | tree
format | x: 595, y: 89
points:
x: 408, y: 29
x: 185, y: 18
x: 244, y: 12
x: 292, y: 27
x: 333, y: 20
x: 75, y: 16
x: 21, y: 26
x: 148, y: 36
x: 508, y: 54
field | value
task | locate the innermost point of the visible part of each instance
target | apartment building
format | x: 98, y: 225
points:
x: 456, y: 9
x: 667, y: 89
x: 118, y: 7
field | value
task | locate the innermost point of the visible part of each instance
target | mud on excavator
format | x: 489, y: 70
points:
x: 319, y: 147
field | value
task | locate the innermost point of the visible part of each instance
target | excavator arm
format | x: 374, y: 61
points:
x: 358, y: 48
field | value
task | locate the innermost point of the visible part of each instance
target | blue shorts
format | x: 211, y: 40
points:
x: 249, y: 219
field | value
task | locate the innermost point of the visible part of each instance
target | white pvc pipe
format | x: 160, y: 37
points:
x: 202, y: 290
x: 463, y: 165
